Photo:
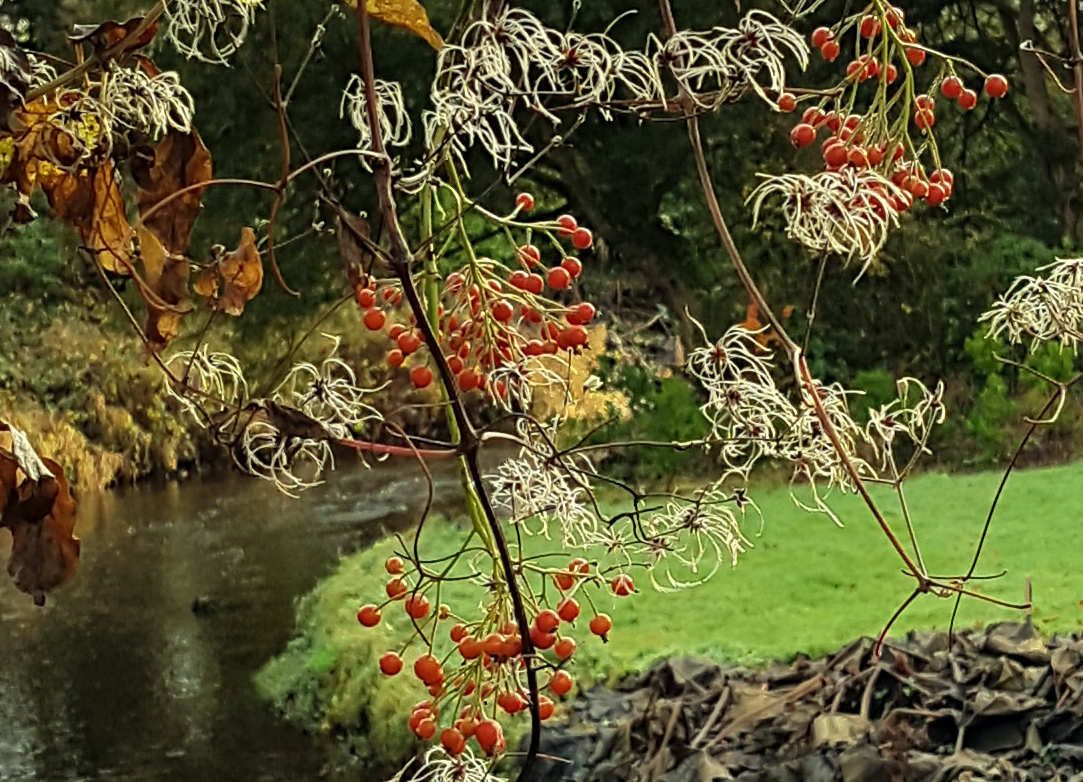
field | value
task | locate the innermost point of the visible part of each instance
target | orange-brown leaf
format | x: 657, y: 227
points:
x: 180, y: 160
x: 166, y: 275
x: 41, y: 517
x: 407, y: 14
x: 107, y: 34
x: 241, y: 275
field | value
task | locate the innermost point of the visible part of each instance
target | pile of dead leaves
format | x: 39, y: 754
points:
x: 37, y: 507
x: 1000, y: 703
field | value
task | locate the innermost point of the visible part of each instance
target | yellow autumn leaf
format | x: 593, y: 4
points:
x: 407, y: 14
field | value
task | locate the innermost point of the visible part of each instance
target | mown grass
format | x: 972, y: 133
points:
x: 808, y: 587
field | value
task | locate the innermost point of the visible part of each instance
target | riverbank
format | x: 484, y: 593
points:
x: 807, y: 587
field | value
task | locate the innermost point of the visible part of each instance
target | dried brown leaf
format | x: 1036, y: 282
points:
x: 104, y: 35
x: 166, y: 275
x: 180, y: 161
x: 241, y: 274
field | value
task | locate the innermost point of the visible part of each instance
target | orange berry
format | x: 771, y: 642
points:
x: 390, y: 663
x: 601, y: 624
x: 395, y: 566
x: 564, y: 648
x: 568, y: 609
x: 369, y: 615
x: 561, y: 683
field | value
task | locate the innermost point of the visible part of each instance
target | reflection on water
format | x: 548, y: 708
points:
x: 118, y: 679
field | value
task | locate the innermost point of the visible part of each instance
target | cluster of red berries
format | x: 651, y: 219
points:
x: 848, y: 144
x: 486, y: 655
x: 490, y: 317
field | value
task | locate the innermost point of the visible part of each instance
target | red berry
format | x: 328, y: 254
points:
x: 366, y: 298
x: 395, y: 357
x: 559, y: 278
x: 802, y: 135
x: 830, y: 50
x: 968, y: 100
x: 417, y: 606
x: 470, y: 648
x: 858, y: 157
x: 395, y: 566
x: 535, y: 284
x: 951, y: 88
x: 524, y: 201
x: 915, y: 55
x: 408, y: 343
x: 567, y: 225
x: 458, y: 632
x: 561, y: 683
x: 421, y: 376
x: 996, y: 86
x: 530, y: 254
x: 585, y: 312
x: 490, y: 736
x: 622, y: 585
x: 428, y: 669
x: 374, y: 319
x: 396, y: 588
x: 541, y: 639
x: 870, y: 26
x: 601, y: 624
x: 582, y: 238
x: 369, y: 615
x: 564, y: 648
x: 891, y: 73
x: 573, y: 266
x: 503, y: 311
x: 925, y: 102
x: 568, y: 609
x: 787, y: 102
x: 545, y: 707
x: 820, y: 36
x: 453, y: 741
x: 390, y: 663
x: 426, y: 729
x: 836, y: 155
x: 936, y: 195
x: 547, y: 620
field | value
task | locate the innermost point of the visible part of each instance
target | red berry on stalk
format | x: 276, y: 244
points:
x: 870, y: 26
x: 820, y: 36
x: 426, y: 729
x: 915, y: 55
x: 530, y: 254
x: 802, y: 135
x: 366, y: 298
x: 564, y: 648
x: 396, y: 588
x: 369, y: 615
x: 858, y: 157
x: 524, y: 201
x: 573, y: 266
x: 925, y: 102
x: 503, y: 311
x: 408, y: 343
x: 622, y: 585
x: 559, y: 278
x: 428, y: 669
x: 936, y: 195
x: 547, y: 620
x: 582, y: 238
x: 585, y: 312
x: 891, y: 73
x: 836, y: 155
x: 458, y: 632
x: 421, y: 376
x: 395, y: 566
x: 517, y: 279
x: 568, y: 609
x: 830, y: 50
x: 601, y: 624
x: 561, y: 683
x: 417, y: 606
x: 470, y: 648
x: 390, y: 664
x: 968, y: 100
x: 996, y: 86
x: 395, y: 357
x: 453, y: 741
x: 490, y: 736
x: 564, y: 581
x: 541, y: 639
x: 535, y: 284
x: 567, y: 225
x: 787, y: 102
x: 545, y: 707
x: 951, y: 88
x: 374, y: 319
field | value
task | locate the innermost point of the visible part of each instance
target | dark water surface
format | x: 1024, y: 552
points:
x: 117, y: 678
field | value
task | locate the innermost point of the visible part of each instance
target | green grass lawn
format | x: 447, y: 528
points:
x: 807, y: 586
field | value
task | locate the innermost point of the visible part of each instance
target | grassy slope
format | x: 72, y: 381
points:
x: 808, y: 586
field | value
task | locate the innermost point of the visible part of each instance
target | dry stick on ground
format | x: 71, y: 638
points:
x: 400, y: 258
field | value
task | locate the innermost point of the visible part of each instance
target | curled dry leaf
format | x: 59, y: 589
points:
x: 240, y: 273
x: 407, y: 14
x: 40, y: 513
x: 180, y: 160
x: 107, y: 34
x: 166, y: 276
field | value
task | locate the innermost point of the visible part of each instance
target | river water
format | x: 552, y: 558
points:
x: 117, y: 678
